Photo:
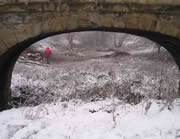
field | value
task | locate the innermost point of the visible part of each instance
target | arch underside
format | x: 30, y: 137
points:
x: 8, y: 59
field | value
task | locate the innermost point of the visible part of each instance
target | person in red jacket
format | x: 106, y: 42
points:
x: 47, y: 54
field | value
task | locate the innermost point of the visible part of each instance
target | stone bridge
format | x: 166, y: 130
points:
x: 24, y: 22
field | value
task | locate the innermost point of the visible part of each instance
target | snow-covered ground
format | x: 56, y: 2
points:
x: 94, y: 120
x: 142, y: 73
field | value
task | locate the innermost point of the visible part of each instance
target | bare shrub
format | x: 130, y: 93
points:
x: 148, y: 106
x: 167, y: 83
x: 112, y: 94
x: 31, y: 96
x: 36, y: 113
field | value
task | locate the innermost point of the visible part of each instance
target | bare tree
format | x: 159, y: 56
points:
x: 159, y: 48
x: 96, y: 39
x: 114, y: 40
x: 70, y: 38
x: 119, y: 42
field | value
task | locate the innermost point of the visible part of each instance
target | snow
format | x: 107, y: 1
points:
x: 75, y: 120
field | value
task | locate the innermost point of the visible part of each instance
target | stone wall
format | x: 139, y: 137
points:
x: 23, y: 19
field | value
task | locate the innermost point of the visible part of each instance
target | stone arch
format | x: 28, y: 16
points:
x: 8, y: 59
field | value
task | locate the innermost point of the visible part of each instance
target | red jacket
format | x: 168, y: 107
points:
x: 47, y: 51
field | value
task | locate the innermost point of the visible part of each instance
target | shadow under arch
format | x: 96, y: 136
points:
x: 9, y: 58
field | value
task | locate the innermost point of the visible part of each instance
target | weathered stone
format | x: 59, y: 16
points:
x: 44, y: 16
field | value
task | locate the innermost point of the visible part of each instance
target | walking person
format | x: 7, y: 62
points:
x: 47, y: 53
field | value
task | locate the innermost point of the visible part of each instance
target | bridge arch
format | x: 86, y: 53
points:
x: 23, y: 23
x: 8, y: 59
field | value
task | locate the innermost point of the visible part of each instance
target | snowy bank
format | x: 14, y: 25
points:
x: 77, y: 120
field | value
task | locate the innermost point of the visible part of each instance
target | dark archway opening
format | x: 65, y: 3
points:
x: 8, y: 59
